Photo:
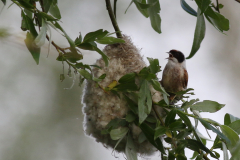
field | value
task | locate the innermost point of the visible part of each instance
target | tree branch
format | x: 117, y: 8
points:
x: 113, y: 19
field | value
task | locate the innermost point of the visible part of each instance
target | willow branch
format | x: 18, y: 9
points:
x: 113, y: 19
x: 115, y: 8
x: 217, y: 8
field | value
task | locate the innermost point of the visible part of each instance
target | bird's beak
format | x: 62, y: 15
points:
x: 168, y: 53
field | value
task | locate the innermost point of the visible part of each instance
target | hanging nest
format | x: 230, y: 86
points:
x: 101, y: 107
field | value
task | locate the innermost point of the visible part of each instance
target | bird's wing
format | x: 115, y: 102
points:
x: 185, y: 79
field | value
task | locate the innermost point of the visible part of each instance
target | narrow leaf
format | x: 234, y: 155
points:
x: 187, y: 8
x: 159, y: 131
x: 228, y: 118
x: 154, y: 15
x: 144, y: 101
x: 210, y: 127
x: 170, y: 117
x: 92, y: 36
x: 118, y: 133
x: 130, y: 149
x: 154, y: 65
x: 225, y: 152
x: 198, y: 35
x: 46, y: 5
x: 235, y: 126
x: 104, y: 57
x: 33, y: 49
x: 4, y: 2
x: 128, y: 78
x: 235, y: 152
x: 54, y: 10
x: 85, y: 74
x: 149, y: 133
x: 231, y: 135
x: 207, y: 106
x: 143, y: 11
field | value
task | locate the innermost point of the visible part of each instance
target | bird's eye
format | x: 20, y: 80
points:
x: 170, y: 55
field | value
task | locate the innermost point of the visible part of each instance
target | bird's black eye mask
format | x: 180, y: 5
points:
x: 178, y: 55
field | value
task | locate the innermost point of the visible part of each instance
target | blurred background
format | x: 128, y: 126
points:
x: 41, y: 120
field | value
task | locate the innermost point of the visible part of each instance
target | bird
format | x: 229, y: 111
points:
x: 175, y: 75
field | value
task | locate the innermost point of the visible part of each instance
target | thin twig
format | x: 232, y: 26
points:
x: 158, y: 115
x: 113, y: 19
x: 115, y: 8
x: 217, y: 7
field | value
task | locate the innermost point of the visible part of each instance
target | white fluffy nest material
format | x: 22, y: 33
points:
x: 100, y: 108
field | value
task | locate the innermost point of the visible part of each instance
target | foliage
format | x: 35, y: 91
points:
x: 177, y: 129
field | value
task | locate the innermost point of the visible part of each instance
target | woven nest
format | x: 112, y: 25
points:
x: 100, y: 108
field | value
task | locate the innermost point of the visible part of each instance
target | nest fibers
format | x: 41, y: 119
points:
x: 100, y: 108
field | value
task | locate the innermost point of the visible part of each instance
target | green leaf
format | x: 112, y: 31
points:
x: 170, y: 117
x: 145, y: 74
x: 104, y: 57
x: 54, y: 10
x: 141, y: 137
x: 4, y: 2
x: 118, y: 133
x: 196, y: 145
x: 204, y: 6
x: 128, y: 6
x: 78, y: 40
x: 235, y: 152
x: 85, y: 74
x: 131, y: 104
x: 178, y: 125
x: 144, y: 101
x: 131, y: 117
x: 207, y: 106
x: 185, y: 119
x: 235, y: 126
x: 109, y: 40
x: 128, y: 78
x: 70, y: 41
x: 228, y: 118
x: 33, y: 49
x: 183, y: 134
x: 46, y: 5
x: 187, y: 104
x: 144, y: 5
x: 82, y: 66
x: 154, y: 15
x: 231, y: 135
x: 99, y: 79
x: 199, y: 34
x: 187, y: 8
x: 157, y: 86
x: 149, y: 133
x: 24, y: 4
x: 96, y: 66
x: 154, y: 65
x: 181, y: 157
x: 73, y: 57
x: 92, y: 36
x: 130, y: 150
x: 29, y: 25
x: 126, y: 87
x: 159, y: 131
x: 47, y: 16
x: 216, y: 19
x: 143, y: 11
x: 210, y: 127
